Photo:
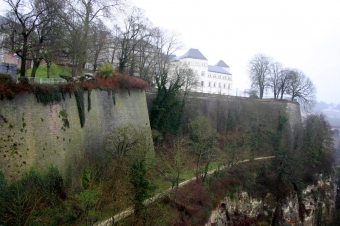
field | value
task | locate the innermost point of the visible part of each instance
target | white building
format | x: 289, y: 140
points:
x: 212, y: 79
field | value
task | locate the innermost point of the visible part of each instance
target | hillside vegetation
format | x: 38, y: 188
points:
x: 125, y: 177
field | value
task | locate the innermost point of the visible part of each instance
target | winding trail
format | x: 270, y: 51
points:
x: 129, y: 210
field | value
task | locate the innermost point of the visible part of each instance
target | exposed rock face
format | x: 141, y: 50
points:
x: 318, y: 203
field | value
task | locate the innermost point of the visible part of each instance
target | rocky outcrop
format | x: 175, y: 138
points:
x: 317, y: 205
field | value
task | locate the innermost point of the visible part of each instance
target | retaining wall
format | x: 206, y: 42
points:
x: 33, y: 135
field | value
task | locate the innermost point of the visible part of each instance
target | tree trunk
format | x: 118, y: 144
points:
x: 48, y: 64
x: 24, y: 57
x: 113, y: 55
x: 261, y: 92
x: 36, y: 64
x: 121, y: 66
x: 281, y: 95
x: 278, y: 213
x: 198, y: 165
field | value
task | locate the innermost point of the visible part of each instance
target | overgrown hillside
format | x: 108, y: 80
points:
x: 211, y: 134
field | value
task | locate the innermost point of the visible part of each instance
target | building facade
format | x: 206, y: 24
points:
x: 5, y: 55
x: 215, y: 79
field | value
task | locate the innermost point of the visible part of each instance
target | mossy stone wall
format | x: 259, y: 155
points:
x: 216, y: 108
x: 37, y: 135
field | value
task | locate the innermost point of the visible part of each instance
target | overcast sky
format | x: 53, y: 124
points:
x: 297, y: 33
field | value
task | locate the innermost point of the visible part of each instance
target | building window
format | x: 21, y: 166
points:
x: 219, y: 85
x: 202, y: 83
x: 209, y: 84
x: 228, y: 86
x: 224, y: 86
x: 196, y: 72
x: 214, y: 84
x: 202, y: 73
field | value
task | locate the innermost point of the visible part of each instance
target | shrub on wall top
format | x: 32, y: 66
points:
x: 9, y: 89
x: 107, y: 70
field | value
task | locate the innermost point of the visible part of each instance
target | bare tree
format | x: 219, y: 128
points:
x: 53, y: 50
x: 285, y: 82
x: 280, y: 79
x: 73, y: 50
x: 45, y: 40
x: 259, y: 72
x: 78, y: 17
x: 25, y: 18
x: 146, y: 59
x: 302, y: 89
x: 135, y: 31
x: 204, y: 138
x: 274, y: 80
x: 99, y: 44
x: 167, y: 44
x: 183, y: 77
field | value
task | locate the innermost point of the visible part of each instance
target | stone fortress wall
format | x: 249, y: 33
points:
x: 37, y: 135
x: 216, y: 107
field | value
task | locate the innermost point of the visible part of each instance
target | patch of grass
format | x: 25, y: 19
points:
x: 55, y: 71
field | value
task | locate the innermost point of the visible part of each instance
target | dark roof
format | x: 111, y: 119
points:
x: 217, y: 69
x: 221, y: 63
x: 193, y: 53
x: 172, y: 57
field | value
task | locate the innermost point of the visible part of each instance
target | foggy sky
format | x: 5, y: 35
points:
x: 299, y: 34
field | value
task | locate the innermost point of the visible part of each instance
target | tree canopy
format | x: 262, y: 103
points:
x: 265, y: 73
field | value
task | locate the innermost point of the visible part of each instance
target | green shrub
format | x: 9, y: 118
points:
x: 3, y: 197
x: 5, y: 78
x: 23, y: 80
x: 6, y: 87
x: 32, y: 198
x: 47, y: 94
x: 107, y: 70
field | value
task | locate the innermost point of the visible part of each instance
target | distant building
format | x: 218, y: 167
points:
x: 212, y: 78
x: 5, y: 55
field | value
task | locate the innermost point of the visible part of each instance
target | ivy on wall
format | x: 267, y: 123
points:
x: 48, y: 94
x: 80, y: 105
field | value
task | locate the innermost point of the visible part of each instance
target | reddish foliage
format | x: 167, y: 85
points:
x: 136, y: 83
x: 180, y: 206
x: 68, y: 88
x: 191, y: 210
x: 9, y: 89
x: 179, y: 223
x: 88, y: 85
x: 192, y: 202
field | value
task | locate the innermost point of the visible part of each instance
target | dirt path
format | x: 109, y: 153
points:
x: 129, y: 210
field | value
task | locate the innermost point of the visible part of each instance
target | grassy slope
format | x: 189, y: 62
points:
x: 54, y: 73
